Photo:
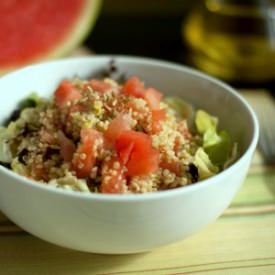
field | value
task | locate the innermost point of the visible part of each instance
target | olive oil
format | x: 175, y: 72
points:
x: 233, y: 40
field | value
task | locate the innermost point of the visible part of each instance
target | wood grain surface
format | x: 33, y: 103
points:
x: 241, y: 241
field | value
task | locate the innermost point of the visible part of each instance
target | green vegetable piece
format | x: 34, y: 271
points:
x: 233, y: 155
x: 33, y: 100
x: 205, y: 122
x: 184, y: 109
x: 205, y: 167
x: 219, y: 152
x: 30, y: 102
x: 210, y: 138
x: 216, y: 144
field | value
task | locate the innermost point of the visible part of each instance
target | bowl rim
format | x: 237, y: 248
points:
x: 216, y: 179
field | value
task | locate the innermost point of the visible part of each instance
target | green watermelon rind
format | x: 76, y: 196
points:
x: 73, y: 39
x: 81, y: 29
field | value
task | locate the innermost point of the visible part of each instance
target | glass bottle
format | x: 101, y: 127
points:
x: 233, y: 39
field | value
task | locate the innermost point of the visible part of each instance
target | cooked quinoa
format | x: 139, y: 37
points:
x: 104, y: 137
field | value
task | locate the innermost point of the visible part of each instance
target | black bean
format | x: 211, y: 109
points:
x: 193, y: 170
x: 21, y: 156
x: 26, y: 103
x: 7, y: 165
x: 26, y: 130
x: 111, y: 71
x: 50, y: 152
x: 14, y: 116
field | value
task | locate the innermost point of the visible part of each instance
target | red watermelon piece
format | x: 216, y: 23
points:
x: 36, y: 30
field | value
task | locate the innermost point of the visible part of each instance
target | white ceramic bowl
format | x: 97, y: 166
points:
x: 126, y: 223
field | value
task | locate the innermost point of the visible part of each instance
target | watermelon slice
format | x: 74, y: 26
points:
x: 36, y: 30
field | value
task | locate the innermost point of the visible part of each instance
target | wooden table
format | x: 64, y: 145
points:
x: 241, y: 241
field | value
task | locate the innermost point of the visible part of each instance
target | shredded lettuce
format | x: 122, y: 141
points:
x: 33, y: 100
x: 70, y: 182
x: 217, y: 151
x: 14, y: 128
x: 5, y: 152
x: 205, y: 167
x: 210, y: 138
x: 205, y: 122
x: 182, y: 108
x: 233, y: 156
x: 217, y: 145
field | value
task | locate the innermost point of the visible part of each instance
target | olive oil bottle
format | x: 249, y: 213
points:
x: 233, y: 40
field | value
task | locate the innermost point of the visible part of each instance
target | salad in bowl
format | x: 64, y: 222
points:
x: 102, y: 136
